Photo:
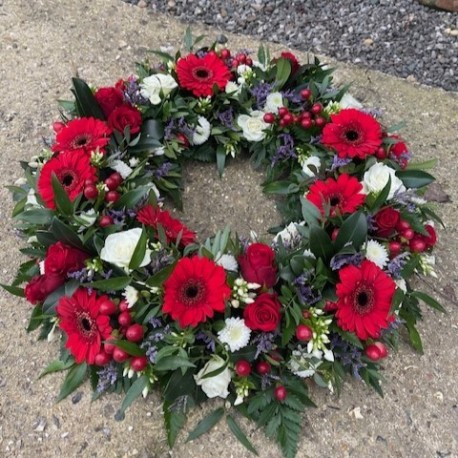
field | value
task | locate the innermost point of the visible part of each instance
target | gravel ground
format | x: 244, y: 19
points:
x: 399, y: 37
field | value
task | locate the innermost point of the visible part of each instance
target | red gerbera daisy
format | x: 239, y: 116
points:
x: 199, y: 74
x: 352, y: 133
x: 195, y: 290
x: 339, y: 196
x: 71, y: 169
x: 85, y: 327
x: 153, y: 216
x: 364, y: 300
x: 87, y: 134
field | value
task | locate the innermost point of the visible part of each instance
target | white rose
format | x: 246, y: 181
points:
x: 253, y: 126
x: 274, y: 101
x: 376, y: 178
x: 201, y: 131
x: 217, y: 385
x: 120, y: 247
x: 153, y: 85
x: 314, y: 161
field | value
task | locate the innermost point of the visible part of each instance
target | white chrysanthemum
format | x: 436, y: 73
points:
x: 235, y: 333
x: 376, y: 253
x: 227, y: 262
x: 274, y: 101
x: 131, y: 295
x: 201, y: 131
x: 315, y: 162
x: 121, y: 167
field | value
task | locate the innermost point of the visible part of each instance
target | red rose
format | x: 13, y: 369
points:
x: 61, y: 259
x: 386, y: 220
x: 125, y: 116
x: 263, y: 314
x: 292, y: 60
x: 40, y: 286
x: 258, y: 265
x: 109, y: 98
x: 430, y: 239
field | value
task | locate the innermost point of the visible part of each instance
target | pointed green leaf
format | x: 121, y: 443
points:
x: 174, y: 422
x: 239, y: 434
x: 75, y: 377
x: 61, y: 199
x: 110, y: 284
x: 220, y: 159
x: 57, y: 366
x: 414, y: 178
x: 133, y: 393
x: 39, y: 216
x: 320, y: 244
x: 354, y: 230
x: 427, y: 299
x: 283, y: 72
x: 129, y: 347
x: 206, y: 424
x: 139, y: 252
x: 65, y: 233
x: 86, y: 102
x: 16, y: 291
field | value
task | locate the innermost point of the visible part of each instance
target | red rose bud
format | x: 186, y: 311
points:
x: 330, y: 307
x: 382, y: 349
x: 62, y: 259
x: 398, y: 149
x: 102, y: 359
x: 372, y: 352
x: 417, y: 245
x: 138, y: 363
x: 125, y: 116
x: 387, y: 219
x: 280, y: 393
x: 41, y: 286
x: 135, y: 333
x: 262, y: 367
x: 258, y: 265
x: 263, y: 314
x: 182, y: 140
x: 58, y: 126
x: 303, y: 333
x: 243, y: 368
x: 119, y: 355
x: 334, y: 234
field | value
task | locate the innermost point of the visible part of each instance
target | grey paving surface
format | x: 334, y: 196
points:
x: 42, y: 44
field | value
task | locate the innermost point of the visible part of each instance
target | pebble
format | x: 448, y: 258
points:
x: 407, y: 38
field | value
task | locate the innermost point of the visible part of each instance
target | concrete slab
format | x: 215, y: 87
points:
x: 43, y: 43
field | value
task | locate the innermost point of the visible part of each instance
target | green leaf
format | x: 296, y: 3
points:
x: 206, y: 424
x: 129, y: 347
x: 35, y: 319
x: 427, y: 299
x: 75, y: 377
x: 61, y: 199
x: 283, y: 72
x: 139, y: 252
x: 382, y: 196
x: 110, y: 284
x: 277, y: 187
x: 131, y: 198
x: 133, y: 393
x: 38, y: 216
x: 187, y: 42
x: 310, y: 212
x: 321, y: 244
x: 65, y: 233
x: 57, y: 366
x: 414, y: 178
x: 86, y: 102
x: 171, y: 363
x: 354, y: 230
x: 16, y: 291
x: 173, y: 421
x: 414, y: 336
x: 239, y: 434
x: 159, y: 277
x: 220, y: 159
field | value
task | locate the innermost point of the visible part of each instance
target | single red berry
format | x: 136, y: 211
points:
x: 212, y: 53
x: 241, y: 58
x: 320, y: 121
x: 119, y: 355
x: 382, y: 349
x: 372, y: 352
x: 288, y: 118
x: 306, y: 94
x: 316, y: 108
x: 235, y: 63
x: 402, y: 225
x: 306, y: 123
x: 334, y: 234
x: 225, y: 53
x: 417, y: 245
x: 249, y: 61
x: 269, y: 118
x: 90, y: 181
x: 380, y: 154
x: 408, y: 234
x: 395, y: 248
x: 262, y: 367
x: 124, y: 319
x: 280, y: 393
x: 243, y: 368
x: 282, y: 123
x: 306, y: 115
x: 282, y: 111
x: 135, y: 332
x: 102, y: 359
x: 296, y: 119
x: 123, y: 306
x: 107, y: 307
x: 105, y: 221
x: 303, y: 333
x: 109, y: 347
x: 91, y: 192
x: 138, y: 363
x: 111, y: 184
x: 117, y: 177
x: 112, y: 196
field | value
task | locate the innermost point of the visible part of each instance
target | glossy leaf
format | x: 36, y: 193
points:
x: 206, y: 424
x: 75, y: 377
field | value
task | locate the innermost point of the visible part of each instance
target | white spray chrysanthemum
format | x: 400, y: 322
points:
x: 376, y: 253
x: 235, y: 333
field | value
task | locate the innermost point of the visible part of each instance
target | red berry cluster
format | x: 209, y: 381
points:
x: 305, y: 119
x: 407, y: 237
x: 112, y: 183
x: 239, y: 59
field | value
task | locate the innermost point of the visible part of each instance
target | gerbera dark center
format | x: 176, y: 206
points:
x: 363, y: 299
x: 352, y: 135
x: 68, y: 179
x: 192, y: 292
x: 86, y: 325
x: 80, y: 141
x: 335, y: 200
x: 202, y: 73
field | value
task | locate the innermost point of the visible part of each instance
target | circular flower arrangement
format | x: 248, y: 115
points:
x: 141, y: 305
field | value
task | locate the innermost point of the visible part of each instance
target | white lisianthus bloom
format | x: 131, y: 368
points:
x: 214, y: 386
x: 274, y: 101
x: 120, y: 247
x: 235, y: 333
x: 314, y: 161
x: 159, y: 151
x: 253, y: 126
x: 232, y: 88
x: 201, y: 131
x: 131, y: 295
x: 305, y: 364
x: 153, y: 86
x: 121, y: 167
x: 376, y: 253
x: 376, y: 178
x: 348, y: 101
x: 227, y: 262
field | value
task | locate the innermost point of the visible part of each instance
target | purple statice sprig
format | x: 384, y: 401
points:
x: 260, y: 93
x: 338, y: 162
x: 108, y: 376
x: 340, y: 260
x: 264, y: 342
x: 396, y: 265
x: 348, y: 354
x: 286, y: 150
x: 226, y: 118
x: 207, y: 339
x: 304, y: 291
